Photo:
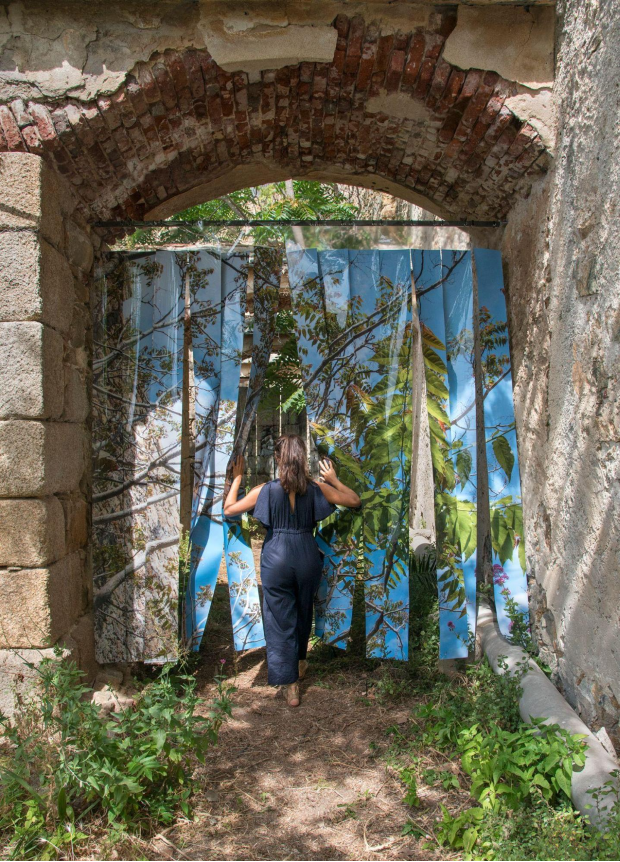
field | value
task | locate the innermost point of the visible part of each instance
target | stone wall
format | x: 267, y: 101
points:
x: 413, y: 99
x: 47, y: 255
x: 562, y: 272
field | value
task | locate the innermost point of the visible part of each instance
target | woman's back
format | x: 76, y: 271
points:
x: 274, y: 510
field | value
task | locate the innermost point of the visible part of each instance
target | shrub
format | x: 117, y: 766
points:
x: 62, y: 764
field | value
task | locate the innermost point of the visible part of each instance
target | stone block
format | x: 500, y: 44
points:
x: 37, y: 606
x: 36, y: 282
x: 30, y: 371
x: 32, y: 532
x: 79, y: 248
x: 76, y: 404
x: 40, y: 458
x: 29, y: 196
x: 76, y: 523
x: 81, y: 643
x: 19, y: 676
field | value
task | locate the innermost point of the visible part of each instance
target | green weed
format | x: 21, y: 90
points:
x: 62, y: 765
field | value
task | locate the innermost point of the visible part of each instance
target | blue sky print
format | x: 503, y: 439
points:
x: 218, y: 295
x: 353, y: 316
x: 509, y: 567
x: 444, y: 291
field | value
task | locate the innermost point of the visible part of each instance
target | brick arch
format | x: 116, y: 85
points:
x: 388, y: 112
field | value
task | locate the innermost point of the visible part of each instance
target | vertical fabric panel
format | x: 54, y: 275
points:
x: 431, y: 269
x: 247, y: 622
x: 218, y: 295
x: 322, y: 325
x: 245, y: 600
x: 353, y: 315
x: 381, y: 416
x: 509, y: 569
x: 137, y: 384
x: 205, y: 279
x: 458, y: 315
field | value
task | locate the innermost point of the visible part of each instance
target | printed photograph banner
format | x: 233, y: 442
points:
x: 444, y: 282
x: 320, y: 322
x: 137, y: 391
x: 218, y: 296
x: 353, y: 318
x: 507, y: 539
x: 218, y: 284
x: 430, y: 271
x: 458, y: 309
x: 244, y: 598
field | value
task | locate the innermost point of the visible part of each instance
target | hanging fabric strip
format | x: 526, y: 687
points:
x: 245, y: 601
x: 320, y: 326
x: 380, y: 410
x: 509, y: 569
x: 137, y: 385
x: 218, y: 296
x: 353, y: 316
x: 458, y: 314
x: 431, y: 271
x: 267, y: 270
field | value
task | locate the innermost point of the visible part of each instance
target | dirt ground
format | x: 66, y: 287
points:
x: 313, y: 783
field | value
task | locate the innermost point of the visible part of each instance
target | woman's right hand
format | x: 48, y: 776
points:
x: 328, y: 474
x: 238, y: 467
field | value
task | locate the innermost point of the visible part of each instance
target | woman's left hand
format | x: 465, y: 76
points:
x: 328, y: 474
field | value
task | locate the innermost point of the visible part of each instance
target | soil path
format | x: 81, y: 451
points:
x: 313, y: 783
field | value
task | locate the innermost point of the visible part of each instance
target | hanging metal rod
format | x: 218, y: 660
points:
x: 300, y: 223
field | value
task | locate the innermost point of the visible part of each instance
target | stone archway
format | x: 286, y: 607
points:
x: 385, y: 107
x: 109, y: 111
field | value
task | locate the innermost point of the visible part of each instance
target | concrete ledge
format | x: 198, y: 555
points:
x: 541, y: 699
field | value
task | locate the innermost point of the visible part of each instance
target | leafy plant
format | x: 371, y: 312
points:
x: 409, y: 779
x: 62, y: 764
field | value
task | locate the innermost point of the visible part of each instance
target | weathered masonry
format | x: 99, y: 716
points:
x: 114, y: 110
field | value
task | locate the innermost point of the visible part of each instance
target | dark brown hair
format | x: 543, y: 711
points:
x: 292, y: 460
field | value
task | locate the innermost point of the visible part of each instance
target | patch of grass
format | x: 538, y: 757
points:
x: 518, y: 776
x: 66, y: 770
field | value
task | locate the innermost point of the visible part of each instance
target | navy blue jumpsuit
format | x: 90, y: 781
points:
x: 291, y: 566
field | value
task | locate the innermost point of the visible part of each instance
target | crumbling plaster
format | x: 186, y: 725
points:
x: 516, y: 42
x: 87, y: 49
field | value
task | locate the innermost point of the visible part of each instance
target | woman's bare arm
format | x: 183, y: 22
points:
x: 233, y: 506
x: 334, y: 490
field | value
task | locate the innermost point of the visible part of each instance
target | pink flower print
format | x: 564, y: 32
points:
x: 499, y: 575
x: 451, y: 626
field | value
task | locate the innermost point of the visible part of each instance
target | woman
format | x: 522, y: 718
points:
x: 291, y: 563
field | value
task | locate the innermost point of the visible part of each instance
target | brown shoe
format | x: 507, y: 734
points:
x: 303, y: 667
x: 292, y: 694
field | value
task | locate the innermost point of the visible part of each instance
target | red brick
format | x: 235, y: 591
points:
x: 182, y: 117
x: 165, y: 85
x: 11, y: 130
x: 414, y: 60
x: 395, y: 71
x: 44, y: 123
x: 438, y: 84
